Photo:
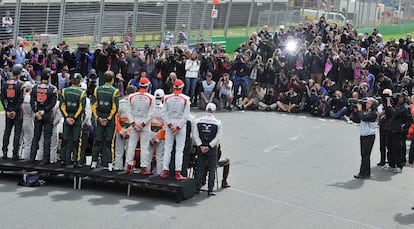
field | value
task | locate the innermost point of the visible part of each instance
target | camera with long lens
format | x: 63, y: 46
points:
x: 354, y: 101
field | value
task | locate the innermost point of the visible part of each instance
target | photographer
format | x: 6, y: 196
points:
x: 225, y: 89
x: 367, y: 129
x: 289, y: 101
x: 221, y: 65
x: 133, y: 64
x: 320, y: 101
x: 383, y: 82
x: 400, y: 120
x: 242, y: 72
x: 317, y: 65
x: 338, y: 105
x: 256, y: 75
x: 255, y: 96
x: 100, y: 62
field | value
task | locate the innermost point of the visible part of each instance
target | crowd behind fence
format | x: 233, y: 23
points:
x: 92, y: 21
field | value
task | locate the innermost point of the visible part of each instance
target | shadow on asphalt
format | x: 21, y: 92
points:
x: 377, y: 174
x: 104, y: 193
x: 404, y: 219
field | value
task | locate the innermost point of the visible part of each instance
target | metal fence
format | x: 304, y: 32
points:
x: 92, y: 21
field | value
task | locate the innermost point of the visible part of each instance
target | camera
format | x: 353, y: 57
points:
x: 354, y: 101
x: 112, y: 49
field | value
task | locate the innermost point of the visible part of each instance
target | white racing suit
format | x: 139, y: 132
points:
x: 175, y: 112
x: 122, y: 140
x: 57, y: 118
x: 157, y: 135
x: 140, y: 110
x: 27, y: 128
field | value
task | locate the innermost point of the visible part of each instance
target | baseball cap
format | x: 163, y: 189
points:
x: 144, y: 82
x: 178, y: 83
x: 211, y: 107
x: 159, y: 93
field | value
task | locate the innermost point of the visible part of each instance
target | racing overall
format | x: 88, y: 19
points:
x: 104, y: 107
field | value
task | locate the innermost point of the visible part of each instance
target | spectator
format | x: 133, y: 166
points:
x: 255, y: 96
x: 207, y: 92
x: 225, y: 89
x: 269, y: 101
x: 192, y: 67
x: 339, y: 105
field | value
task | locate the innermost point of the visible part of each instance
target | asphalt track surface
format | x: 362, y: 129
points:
x: 287, y: 171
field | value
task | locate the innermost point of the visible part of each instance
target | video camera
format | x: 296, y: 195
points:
x: 112, y: 49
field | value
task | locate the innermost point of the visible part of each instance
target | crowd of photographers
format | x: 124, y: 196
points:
x: 319, y: 68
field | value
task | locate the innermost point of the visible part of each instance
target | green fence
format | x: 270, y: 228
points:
x: 390, y: 29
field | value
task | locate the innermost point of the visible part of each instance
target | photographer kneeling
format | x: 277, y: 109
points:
x: 367, y: 129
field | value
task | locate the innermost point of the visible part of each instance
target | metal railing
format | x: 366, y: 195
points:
x: 92, y: 21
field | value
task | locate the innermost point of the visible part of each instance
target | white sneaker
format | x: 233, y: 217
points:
x: 348, y: 120
x: 387, y: 167
x: 110, y: 167
x: 94, y: 163
x: 397, y: 170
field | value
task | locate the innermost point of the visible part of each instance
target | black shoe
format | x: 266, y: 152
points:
x: 77, y: 165
x: 224, y: 184
x: 359, y: 176
x: 197, y: 191
x: 62, y: 163
x: 15, y: 158
x: 45, y: 162
x: 381, y: 164
x: 4, y: 155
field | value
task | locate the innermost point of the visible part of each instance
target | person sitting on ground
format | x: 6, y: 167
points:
x: 289, y: 101
x: 269, y: 101
x: 255, y: 96
x: 339, y: 105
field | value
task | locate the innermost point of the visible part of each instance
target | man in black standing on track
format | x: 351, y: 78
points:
x: 12, y: 96
x: 42, y: 100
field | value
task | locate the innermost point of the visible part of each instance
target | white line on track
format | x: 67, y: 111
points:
x: 319, y: 212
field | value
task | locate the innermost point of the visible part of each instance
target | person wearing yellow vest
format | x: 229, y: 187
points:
x: 72, y: 105
x: 105, y: 103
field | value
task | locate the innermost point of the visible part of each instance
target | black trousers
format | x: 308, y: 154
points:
x: 394, y: 143
x: 366, y: 147
x: 211, y: 158
x: 45, y: 125
x: 383, y: 148
x: 17, y: 124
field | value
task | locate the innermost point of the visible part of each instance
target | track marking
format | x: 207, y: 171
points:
x: 319, y: 212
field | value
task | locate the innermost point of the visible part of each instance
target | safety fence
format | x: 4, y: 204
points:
x: 151, y: 21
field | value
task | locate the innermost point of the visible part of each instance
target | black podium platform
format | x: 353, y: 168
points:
x: 183, y: 189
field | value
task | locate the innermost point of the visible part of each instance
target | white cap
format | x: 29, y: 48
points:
x: 159, y: 93
x: 281, y: 26
x: 379, y: 35
x: 211, y: 107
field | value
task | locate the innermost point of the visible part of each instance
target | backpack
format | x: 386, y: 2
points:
x: 31, y: 180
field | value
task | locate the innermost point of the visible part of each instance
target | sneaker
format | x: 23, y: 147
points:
x: 397, y: 170
x: 211, y: 193
x: 348, y: 120
x: 94, y: 163
x: 387, y: 167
